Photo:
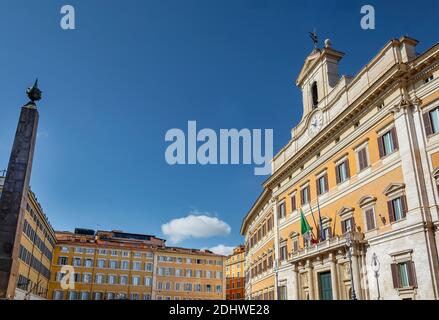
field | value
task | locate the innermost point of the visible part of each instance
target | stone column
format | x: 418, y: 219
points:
x: 356, y: 276
x: 334, y: 276
x: 309, y: 270
x: 417, y: 177
x: 14, y: 198
x: 295, y: 283
x: 276, y: 248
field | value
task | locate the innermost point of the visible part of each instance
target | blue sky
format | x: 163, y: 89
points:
x: 134, y: 69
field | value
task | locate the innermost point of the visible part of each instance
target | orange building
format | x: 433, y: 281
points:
x: 118, y: 265
x: 235, y: 270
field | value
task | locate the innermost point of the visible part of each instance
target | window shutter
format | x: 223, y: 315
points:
x: 337, y: 174
x: 390, y: 210
x: 363, y: 158
x: 380, y: 146
x: 318, y: 186
x: 293, y: 202
x: 427, y: 123
x: 343, y: 227
x: 395, y: 275
x: 412, y: 274
x: 394, y: 138
x: 404, y: 205
x: 326, y: 182
x: 360, y: 159
x: 347, y: 168
x: 370, y: 221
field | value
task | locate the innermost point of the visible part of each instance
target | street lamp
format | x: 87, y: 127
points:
x: 349, y: 246
x: 376, y: 268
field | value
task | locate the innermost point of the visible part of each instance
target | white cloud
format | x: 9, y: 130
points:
x: 222, y: 250
x: 195, y: 226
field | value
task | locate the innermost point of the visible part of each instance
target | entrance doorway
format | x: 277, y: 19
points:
x: 325, y: 286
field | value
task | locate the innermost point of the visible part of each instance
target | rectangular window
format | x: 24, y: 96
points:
x: 293, y: 202
x: 404, y: 275
x: 137, y: 265
x: 431, y: 121
x: 397, y: 208
x: 86, y: 278
x: 101, y: 263
x: 283, y: 252
x: 282, y: 210
x: 135, y: 280
x: 148, y: 266
x: 363, y: 161
x: 388, y: 143
x: 112, y: 279
x: 113, y: 264
x: 304, y: 195
x: 124, y: 280
x: 88, y: 263
x: 76, y: 262
x: 322, y: 184
x: 370, y: 219
x: 62, y: 261
x: 99, y: 278
x: 58, y: 295
x: 342, y: 171
x: 295, y: 244
x: 85, y: 295
x: 148, y: 281
x: 347, y: 225
x: 125, y: 265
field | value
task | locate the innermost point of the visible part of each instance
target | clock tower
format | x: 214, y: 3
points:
x: 318, y: 76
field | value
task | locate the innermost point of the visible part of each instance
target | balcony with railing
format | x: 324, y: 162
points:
x: 331, y: 244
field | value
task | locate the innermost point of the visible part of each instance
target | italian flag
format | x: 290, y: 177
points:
x: 305, y: 228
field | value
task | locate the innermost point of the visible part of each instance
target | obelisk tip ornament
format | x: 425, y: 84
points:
x: 34, y: 93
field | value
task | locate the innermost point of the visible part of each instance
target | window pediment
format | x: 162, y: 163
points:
x: 393, y: 188
x: 346, y: 212
x: 294, y: 234
x: 436, y: 173
x: 366, y: 200
x: 326, y: 222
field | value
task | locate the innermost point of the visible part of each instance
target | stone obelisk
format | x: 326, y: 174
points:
x: 14, y: 196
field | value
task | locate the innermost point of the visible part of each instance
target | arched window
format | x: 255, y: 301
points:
x: 315, y: 94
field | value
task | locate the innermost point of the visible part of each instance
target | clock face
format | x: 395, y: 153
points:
x: 316, y: 123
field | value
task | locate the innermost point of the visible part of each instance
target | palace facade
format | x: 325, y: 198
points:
x: 363, y: 167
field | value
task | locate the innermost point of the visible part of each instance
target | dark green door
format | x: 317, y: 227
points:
x: 325, y: 286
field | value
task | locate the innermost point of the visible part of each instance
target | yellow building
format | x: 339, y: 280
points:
x: 365, y: 155
x: 188, y: 274
x: 118, y: 265
x: 35, y: 254
x: 235, y: 274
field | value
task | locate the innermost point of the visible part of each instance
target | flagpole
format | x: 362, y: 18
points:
x: 333, y: 229
x: 314, y: 219
x: 320, y: 220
